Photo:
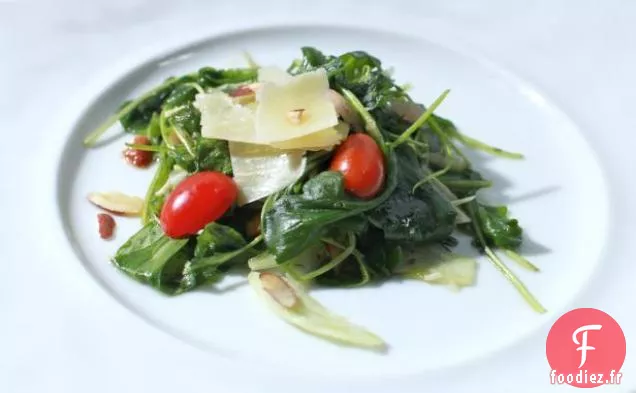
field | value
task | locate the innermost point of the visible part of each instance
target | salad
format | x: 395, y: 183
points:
x: 323, y: 174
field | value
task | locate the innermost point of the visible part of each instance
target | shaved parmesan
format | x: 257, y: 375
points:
x: 290, y: 113
x: 308, y: 92
x: 321, y: 140
x: 222, y: 118
x: 262, y: 170
x: 274, y: 75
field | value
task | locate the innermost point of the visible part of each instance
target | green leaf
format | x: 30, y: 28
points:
x: 356, y: 71
x: 327, y: 185
x: 465, y: 183
x: 136, y: 118
x: 312, y: 59
x: 216, y: 238
x: 174, y: 266
x: 153, y: 202
x: 420, y: 216
x: 499, y: 229
x: 381, y: 255
x: 295, y: 222
x: 209, y: 155
x: 209, y: 77
x: 181, y: 95
x: 148, y: 253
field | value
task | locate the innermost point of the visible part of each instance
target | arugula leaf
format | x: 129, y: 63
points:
x: 209, y: 77
x: 209, y: 155
x: 499, y: 229
x: 182, y: 113
x: 312, y: 59
x: 356, y: 71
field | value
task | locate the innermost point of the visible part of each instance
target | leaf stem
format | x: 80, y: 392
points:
x: 159, y: 179
x: 468, y: 183
x: 439, y: 173
x: 365, y: 277
x: 94, y: 136
x: 420, y: 121
x: 432, y: 121
x: 153, y: 148
x: 514, y: 280
x: 523, y: 262
x: 184, y: 140
x: 503, y: 269
x: 335, y: 261
x: 486, y: 148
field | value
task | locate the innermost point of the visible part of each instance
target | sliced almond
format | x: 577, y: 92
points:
x: 296, y: 116
x: 117, y: 203
x: 279, y: 289
x: 344, y: 110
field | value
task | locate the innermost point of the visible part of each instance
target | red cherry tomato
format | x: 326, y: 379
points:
x: 361, y: 162
x: 195, y: 202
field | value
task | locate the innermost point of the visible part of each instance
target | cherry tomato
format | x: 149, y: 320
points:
x: 195, y: 202
x: 361, y: 162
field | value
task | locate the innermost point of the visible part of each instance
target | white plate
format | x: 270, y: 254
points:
x: 80, y: 321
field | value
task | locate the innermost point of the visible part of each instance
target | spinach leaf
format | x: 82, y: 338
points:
x: 499, y: 230
x: 217, y: 238
x: 380, y: 254
x: 174, y: 266
x: 152, y: 258
x: 296, y: 222
x: 420, y: 216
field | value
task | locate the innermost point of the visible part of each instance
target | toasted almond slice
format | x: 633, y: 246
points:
x: 279, y: 289
x: 344, y: 110
x: 117, y: 203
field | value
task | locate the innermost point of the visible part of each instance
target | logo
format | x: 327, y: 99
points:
x: 585, y: 348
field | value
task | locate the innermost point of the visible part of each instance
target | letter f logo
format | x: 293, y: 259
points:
x: 584, y: 347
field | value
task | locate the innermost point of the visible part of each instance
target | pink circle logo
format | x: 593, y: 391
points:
x: 585, y: 348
